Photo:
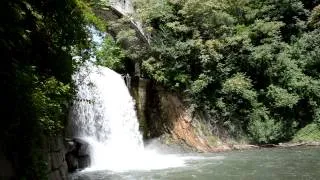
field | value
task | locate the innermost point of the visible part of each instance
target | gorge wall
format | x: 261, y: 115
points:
x: 163, y: 113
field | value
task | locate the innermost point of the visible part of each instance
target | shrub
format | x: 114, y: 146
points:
x: 311, y: 132
x: 49, y: 99
x: 263, y: 128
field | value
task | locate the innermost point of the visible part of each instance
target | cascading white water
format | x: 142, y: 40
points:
x: 103, y: 114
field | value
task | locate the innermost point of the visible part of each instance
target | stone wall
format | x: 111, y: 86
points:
x: 6, y: 167
x: 57, y: 165
x: 53, y: 152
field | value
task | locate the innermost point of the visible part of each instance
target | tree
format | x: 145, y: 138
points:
x: 37, y: 42
x: 252, y: 63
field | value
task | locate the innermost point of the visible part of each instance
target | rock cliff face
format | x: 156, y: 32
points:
x: 180, y: 120
x: 161, y: 112
x: 139, y: 89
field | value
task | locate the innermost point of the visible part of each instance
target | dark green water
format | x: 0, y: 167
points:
x: 284, y: 164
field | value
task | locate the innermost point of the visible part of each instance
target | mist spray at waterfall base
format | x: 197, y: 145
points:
x: 103, y: 115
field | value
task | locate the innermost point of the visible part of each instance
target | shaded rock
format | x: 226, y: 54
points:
x: 72, y: 162
x: 57, y: 165
x: 84, y: 161
x: 82, y: 147
x: 70, y: 145
x: 55, y: 175
x: 7, y: 170
x: 63, y: 171
x: 57, y: 160
x: 78, y: 154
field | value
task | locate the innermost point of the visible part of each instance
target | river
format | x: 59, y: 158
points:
x: 275, y: 163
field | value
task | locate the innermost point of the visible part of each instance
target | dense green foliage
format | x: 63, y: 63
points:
x: 253, y: 64
x: 109, y: 54
x: 38, y: 40
x: 309, y: 133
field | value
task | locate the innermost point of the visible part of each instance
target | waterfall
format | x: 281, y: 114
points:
x: 127, y: 79
x: 103, y: 114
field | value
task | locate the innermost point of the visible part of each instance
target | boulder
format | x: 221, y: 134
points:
x: 78, y: 154
x: 72, y: 162
x: 84, y: 161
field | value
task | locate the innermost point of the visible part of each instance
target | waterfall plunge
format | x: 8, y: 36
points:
x: 103, y: 115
